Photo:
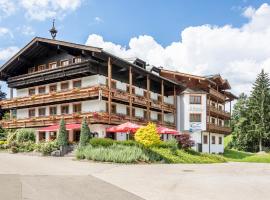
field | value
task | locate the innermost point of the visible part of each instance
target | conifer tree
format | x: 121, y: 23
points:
x: 85, y: 133
x: 2, y: 96
x: 62, y: 138
x: 259, y: 108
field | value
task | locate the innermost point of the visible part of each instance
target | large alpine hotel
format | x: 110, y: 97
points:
x: 51, y: 79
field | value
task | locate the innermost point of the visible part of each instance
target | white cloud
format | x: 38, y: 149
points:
x: 5, y: 31
x: 44, y: 9
x: 98, y: 19
x: 7, y: 8
x: 26, y: 30
x: 236, y: 53
x: 8, y: 53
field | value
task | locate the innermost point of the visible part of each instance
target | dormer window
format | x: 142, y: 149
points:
x: 77, y: 60
x: 64, y: 63
x: 41, y: 67
x: 53, y: 65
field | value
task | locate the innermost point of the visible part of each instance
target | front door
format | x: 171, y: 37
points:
x: 76, y: 136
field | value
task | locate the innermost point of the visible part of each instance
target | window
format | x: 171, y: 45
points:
x: 64, y: 109
x: 213, y: 120
x: 64, y: 63
x: 42, y: 90
x: 213, y: 139
x: 128, y: 111
x: 213, y: 104
x: 64, y: 86
x: 219, y: 140
x: 41, y: 67
x: 77, y: 108
x: 159, y: 117
x: 195, y: 99
x: 53, y: 65
x: 145, y: 114
x: 77, y: 84
x: 195, y: 117
x: 31, y: 113
x: 32, y: 91
x: 113, y: 109
x: 31, y: 70
x: 220, y: 122
x: 41, y: 112
x: 53, y: 110
x: 220, y: 107
x: 205, y: 139
x: 77, y: 60
x: 53, y: 88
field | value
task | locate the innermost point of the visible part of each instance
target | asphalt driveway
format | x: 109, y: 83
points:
x: 31, y: 177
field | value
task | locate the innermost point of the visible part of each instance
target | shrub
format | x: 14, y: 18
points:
x: 47, y: 148
x: 3, y: 134
x: 127, y: 143
x: 25, y: 135
x: 104, y: 142
x: 147, y: 135
x: 14, y: 149
x: 62, y: 138
x: 3, y: 144
x: 26, y: 146
x: 11, y: 137
x: 172, y: 144
x: 114, y: 153
x: 85, y: 133
x: 184, y: 141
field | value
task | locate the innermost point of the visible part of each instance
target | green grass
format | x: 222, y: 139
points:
x: 240, y: 156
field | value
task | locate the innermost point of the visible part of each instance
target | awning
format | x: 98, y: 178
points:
x: 56, y: 127
x: 124, y: 128
x: 164, y: 130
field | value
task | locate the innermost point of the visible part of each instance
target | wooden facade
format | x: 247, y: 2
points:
x: 45, y: 61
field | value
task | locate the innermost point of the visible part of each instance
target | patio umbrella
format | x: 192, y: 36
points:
x: 164, y: 130
x: 124, y: 128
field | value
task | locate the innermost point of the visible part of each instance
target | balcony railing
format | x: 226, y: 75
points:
x: 218, y: 129
x: 219, y: 112
x: 92, y: 117
x: 217, y: 95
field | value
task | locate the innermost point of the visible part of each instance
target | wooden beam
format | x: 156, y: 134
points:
x: 148, y: 97
x: 162, y: 100
x: 109, y: 86
x: 130, y: 92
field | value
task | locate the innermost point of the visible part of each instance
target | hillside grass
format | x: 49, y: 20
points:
x: 240, y: 156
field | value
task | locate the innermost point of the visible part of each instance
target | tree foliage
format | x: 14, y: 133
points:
x: 147, y: 135
x: 184, y: 141
x: 62, y: 138
x: 251, y: 117
x: 85, y: 133
x: 2, y: 96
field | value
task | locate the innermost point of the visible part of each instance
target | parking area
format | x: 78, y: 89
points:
x: 32, y: 177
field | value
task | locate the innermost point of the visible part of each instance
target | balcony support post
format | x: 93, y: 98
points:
x: 148, y: 97
x: 175, y: 105
x: 130, y: 93
x: 110, y: 87
x: 162, y: 101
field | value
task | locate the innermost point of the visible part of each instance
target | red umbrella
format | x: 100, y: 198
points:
x: 164, y: 130
x: 124, y: 128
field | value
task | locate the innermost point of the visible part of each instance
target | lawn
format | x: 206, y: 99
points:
x: 240, y: 156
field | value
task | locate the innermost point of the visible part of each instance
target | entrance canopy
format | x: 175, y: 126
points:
x: 124, y: 128
x: 164, y: 130
x: 56, y: 127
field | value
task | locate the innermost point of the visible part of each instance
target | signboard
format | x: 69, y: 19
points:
x: 195, y: 126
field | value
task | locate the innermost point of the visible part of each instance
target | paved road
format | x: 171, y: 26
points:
x: 32, y: 178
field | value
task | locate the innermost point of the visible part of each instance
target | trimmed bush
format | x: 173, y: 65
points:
x: 172, y: 144
x: 62, y: 138
x: 11, y: 137
x: 25, y: 135
x: 85, y: 133
x: 147, y: 135
x: 101, y: 142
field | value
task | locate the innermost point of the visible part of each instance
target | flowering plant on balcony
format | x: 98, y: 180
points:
x: 96, y: 115
x: 76, y: 115
x: 52, y: 117
x: 33, y: 97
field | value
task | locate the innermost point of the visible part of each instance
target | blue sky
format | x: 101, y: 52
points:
x: 152, y: 30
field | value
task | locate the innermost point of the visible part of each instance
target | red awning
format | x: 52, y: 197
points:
x: 56, y: 127
x: 124, y: 128
x: 164, y: 130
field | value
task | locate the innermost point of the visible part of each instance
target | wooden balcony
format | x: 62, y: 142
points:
x: 41, y: 99
x: 139, y: 100
x: 221, y: 113
x: 92, y: 117
x: 217, y: 95
x: 218, y: 129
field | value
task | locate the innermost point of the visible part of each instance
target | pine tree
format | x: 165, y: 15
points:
x: 85, y: 133
x: 62, y: 138
x: 259, y: 108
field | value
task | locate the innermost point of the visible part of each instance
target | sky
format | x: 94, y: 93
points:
x: 229, y: 37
